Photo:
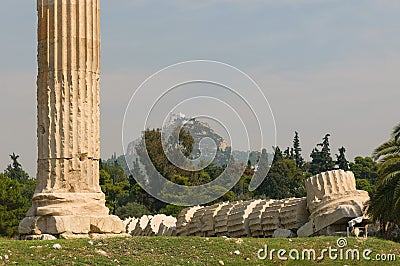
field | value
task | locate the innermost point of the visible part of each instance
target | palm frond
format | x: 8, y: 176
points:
x: 390, y: 147
x: 396, y: 132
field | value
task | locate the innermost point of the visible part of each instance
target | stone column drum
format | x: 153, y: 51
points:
x: 68, y: 197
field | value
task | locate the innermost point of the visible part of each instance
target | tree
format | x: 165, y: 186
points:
x: 364, y: 168
x: 385, y: 202
x: 132, y: 209
x: 284, y: 179
x: 297, y: 151
x: 114, y: 184
x: 396, y: 132
x: 13, y: 206
x: 341, y: 160
x: 322, y: 159
x: 15, y: 171
x: 288, y: 153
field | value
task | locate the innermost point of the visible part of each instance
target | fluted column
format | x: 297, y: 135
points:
x: 68, y: 96
x: 68, y: 196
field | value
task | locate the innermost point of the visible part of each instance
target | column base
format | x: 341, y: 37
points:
x: 70, y: 225
x: 69, y: 213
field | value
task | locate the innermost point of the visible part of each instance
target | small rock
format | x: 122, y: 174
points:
x: 239, y: 241
x: 221, y: 262
x: 47, y: 237
x: 282, y: 233
x: 101, y: 252
x: 236, y: 252
x: 57, y: 246
x: 91, y: 242
x: 5, y: 257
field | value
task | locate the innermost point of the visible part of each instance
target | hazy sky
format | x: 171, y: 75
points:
x: 326, y: 66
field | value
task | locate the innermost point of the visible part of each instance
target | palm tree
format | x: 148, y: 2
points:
x: 396, y: 132
x: 385, y: 203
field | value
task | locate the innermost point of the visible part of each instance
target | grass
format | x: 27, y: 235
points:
x: 182, y: 251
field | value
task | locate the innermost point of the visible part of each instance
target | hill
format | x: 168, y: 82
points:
x: 183, y: 251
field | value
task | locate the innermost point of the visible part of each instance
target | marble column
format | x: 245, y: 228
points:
x: 68, y: 197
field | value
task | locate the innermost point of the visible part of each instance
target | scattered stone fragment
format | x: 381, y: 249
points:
x: 57, y: 246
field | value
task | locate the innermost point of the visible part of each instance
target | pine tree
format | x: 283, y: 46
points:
x: 297, y: 151
x: 321, y: 159
x: 15, y: 171
x: 326, y: 158
x: 341, y: 160
x: 284, y: 179
x: 287, y: 153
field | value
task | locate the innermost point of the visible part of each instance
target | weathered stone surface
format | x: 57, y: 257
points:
x: 167, y: 226
x: 141, y: 225
x: 221, y: 218
x: 255, y: 225
x: 153, y: 227
x: 195, y: 224
x: 283, y: 233
x: 306, y: 230
x: 68, y: 197
x: 332, y: 199
x: 208, y: 218
x: 184, y: 219
x: 238, y: 222
x: 270, y: 218
x: 56, y: 225
x: 131, y: 224
x: 293, y: 213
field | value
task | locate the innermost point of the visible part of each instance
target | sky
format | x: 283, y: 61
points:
x: 325, y: 66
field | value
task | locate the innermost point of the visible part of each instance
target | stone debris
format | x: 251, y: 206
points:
x: 255, y: 216
x: 332, y: 200
x: 141, y: 225
x: 221, y: 218
x: 283, y: 233
x: 208, y: 218
x: 130, y: 224
x: 184, y: 219
x: 270, y: 218
x: 293, y: 213
x: 238, y: 222
x: 57, y: 246
x: 167, y: 226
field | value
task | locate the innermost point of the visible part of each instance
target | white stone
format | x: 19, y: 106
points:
x: 57, y: 246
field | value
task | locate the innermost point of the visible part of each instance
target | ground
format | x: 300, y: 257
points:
x: 187, y: 251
